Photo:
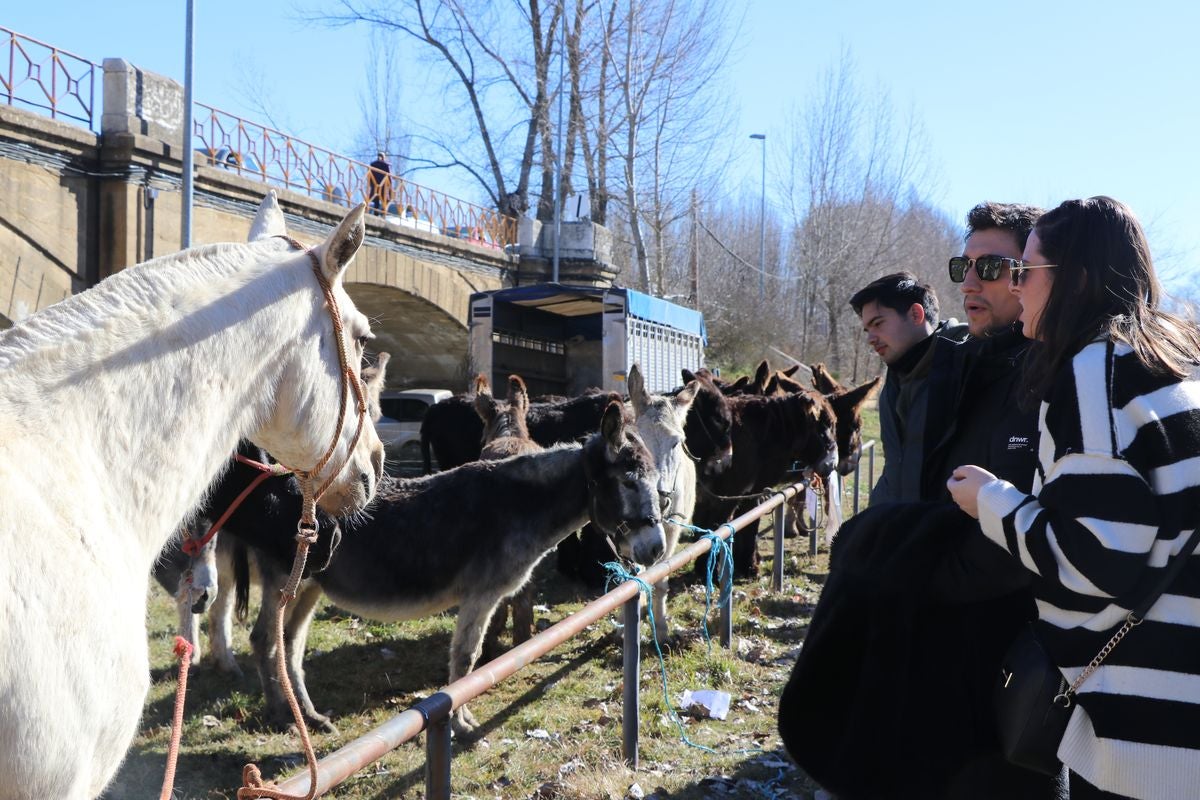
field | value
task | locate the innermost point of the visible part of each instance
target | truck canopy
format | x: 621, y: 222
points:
x: 567, y: 339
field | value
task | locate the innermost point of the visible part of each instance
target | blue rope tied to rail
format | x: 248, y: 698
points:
x: 721, y: 550
x: 618, y: 574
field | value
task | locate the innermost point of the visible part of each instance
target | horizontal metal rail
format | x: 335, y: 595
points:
x: 433, y: 712
x: 256, y: 151
x: 44, y: 77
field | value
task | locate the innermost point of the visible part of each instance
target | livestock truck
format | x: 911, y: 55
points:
x: 563, y: 340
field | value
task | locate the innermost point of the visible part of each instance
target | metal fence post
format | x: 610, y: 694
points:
x: 436, y: 710
x: 630, y: 704
x: 857, y: 478
x: 780, y: 529
x: 871, y: 467
x: 727, y: 606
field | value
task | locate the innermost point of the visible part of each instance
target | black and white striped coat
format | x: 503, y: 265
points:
x: 1118, y: 461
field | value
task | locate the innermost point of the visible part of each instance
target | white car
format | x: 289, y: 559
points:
x: 400, y: 426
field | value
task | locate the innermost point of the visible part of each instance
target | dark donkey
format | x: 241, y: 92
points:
x: 466, y: 537
x: 452, y: 431
x: 772, y: 437
x: 506, y: 434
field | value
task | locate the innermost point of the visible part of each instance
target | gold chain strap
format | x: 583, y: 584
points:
x: 1066, y: 697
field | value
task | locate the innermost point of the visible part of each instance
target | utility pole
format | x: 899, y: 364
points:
x: 558, y: 148
x: 694, y: 254
x: 762, y: 219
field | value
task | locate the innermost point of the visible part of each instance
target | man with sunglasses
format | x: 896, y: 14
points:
x: 973, y: 383
x: 900, y: 317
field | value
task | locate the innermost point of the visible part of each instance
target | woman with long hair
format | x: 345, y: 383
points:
x: 1115, y: 498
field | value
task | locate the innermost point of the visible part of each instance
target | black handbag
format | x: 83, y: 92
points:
x: 1032, y: 700
x: 1032, y: 705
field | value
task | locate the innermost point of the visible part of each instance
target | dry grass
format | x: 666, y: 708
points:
x: 552, y: 730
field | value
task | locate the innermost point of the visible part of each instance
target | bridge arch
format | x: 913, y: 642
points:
x: 418, y: 312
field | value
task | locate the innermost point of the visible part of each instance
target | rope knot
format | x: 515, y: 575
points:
x: 253, y: 785
x: 183, y: 648
x: 306, y: 531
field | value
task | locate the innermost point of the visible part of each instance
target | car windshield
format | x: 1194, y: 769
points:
x: 403, y: 409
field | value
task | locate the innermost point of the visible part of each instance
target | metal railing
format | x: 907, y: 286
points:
x: 41, y: 76
x: 433, y: 713
x: 256, y: 151
x: 869, y: 449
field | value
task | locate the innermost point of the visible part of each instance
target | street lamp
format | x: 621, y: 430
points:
x: 185, y: 220
x: 762, y: 217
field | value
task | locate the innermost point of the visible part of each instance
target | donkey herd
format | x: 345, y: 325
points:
x: 260, y: 347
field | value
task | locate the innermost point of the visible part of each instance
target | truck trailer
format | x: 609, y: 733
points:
x: 564, y: 340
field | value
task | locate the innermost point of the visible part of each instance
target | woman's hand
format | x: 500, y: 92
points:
x: 964, y: 486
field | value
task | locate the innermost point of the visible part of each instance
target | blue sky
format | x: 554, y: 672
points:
x: 1046, y: 101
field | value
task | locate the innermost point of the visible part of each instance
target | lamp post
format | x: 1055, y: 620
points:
x: 185, y: 222
x: 762, y: 217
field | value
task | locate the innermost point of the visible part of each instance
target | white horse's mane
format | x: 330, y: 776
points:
x: 138, y: 289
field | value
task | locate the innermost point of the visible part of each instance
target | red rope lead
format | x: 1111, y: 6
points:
x: 192, y: 546
x: 183, y: 651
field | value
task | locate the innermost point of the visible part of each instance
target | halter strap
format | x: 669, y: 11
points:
x: 192, y: 545
x: 307, y: 528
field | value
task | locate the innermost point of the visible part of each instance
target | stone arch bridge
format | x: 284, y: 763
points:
x: 76, y: 207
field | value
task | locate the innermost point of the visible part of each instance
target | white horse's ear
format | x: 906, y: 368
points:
x: 268, y: 221
x: 337, y: 251
x: 637, y: 390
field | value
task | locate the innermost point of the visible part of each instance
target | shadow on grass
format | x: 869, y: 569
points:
x: 415, y: 778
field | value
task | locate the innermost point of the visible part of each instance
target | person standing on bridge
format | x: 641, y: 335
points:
x: 379, y: 183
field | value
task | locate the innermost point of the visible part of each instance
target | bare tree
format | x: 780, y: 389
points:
x: 849, y: 184
x: 665, y: 58
x: 381, y: 104
x: 495, y: 59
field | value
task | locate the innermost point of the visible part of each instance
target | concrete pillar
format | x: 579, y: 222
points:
x: 142, y: 103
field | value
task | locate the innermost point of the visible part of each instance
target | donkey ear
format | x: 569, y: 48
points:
x: 686, y: 396
x: 485, y: 404
x: 860, y: 394
x: 760, y: 376
x: 813, y: 404
x: 268, y: 221
x: 612, y: 427
x: 343, y: 243
x: 637, y: 390
x: 518, y: 394
x: 374, y: 377
x: 688, y: 375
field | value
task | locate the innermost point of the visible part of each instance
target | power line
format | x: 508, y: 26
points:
x: 743, y: 261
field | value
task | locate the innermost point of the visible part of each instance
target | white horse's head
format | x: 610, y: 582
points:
x: 322, y: 374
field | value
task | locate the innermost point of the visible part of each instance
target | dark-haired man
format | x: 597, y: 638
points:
x: 900, y: 317
x: 973, y: 383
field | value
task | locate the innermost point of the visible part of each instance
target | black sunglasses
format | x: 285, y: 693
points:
x: 988, y: 268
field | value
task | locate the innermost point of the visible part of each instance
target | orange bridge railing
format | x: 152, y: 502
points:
x: 250, y: 149
x: 38, y: 75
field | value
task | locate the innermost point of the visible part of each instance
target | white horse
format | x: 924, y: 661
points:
x: 118, y: 406
x: 659, y: 421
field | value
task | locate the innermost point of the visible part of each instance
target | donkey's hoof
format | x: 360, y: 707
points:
x: 320, y: 722
x: 463, y: 723
x: 229, y: 667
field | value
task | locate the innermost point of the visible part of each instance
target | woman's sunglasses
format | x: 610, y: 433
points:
x: 1017, y: 274
x: 988, y: 268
